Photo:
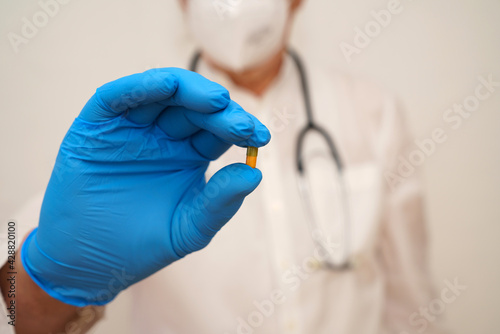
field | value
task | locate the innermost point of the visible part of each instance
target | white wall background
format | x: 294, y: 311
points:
x: 430, y: 54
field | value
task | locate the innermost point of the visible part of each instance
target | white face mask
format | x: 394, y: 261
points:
x: 238, y: 34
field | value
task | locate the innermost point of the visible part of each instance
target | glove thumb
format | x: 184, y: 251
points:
x: 197, y: 221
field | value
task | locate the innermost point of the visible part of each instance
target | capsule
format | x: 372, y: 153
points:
x: 252, y: 156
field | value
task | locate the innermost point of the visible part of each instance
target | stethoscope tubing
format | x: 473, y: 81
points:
x: 311, y: 126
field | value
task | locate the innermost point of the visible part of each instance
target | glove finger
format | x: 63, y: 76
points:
x: 260, y: 137
x: 208, y: 145
x: 198, y: 220
x: 175, y: 124
x: 145, y: 114
x: 197, y: 93
x: 166, y: 86
x: 233, y: 124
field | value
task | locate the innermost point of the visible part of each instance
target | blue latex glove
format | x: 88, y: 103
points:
x: 127, y: 195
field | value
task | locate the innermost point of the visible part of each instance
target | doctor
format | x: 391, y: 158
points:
x: 128, y: 197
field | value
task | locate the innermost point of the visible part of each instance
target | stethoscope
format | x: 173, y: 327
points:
x: 334, y: 253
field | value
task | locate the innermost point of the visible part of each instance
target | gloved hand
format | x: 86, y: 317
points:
x: 127, y: 195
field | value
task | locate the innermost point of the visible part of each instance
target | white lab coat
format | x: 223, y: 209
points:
x: 244, y: 281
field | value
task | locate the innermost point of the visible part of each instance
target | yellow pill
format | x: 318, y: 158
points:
x: 252, y: 156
